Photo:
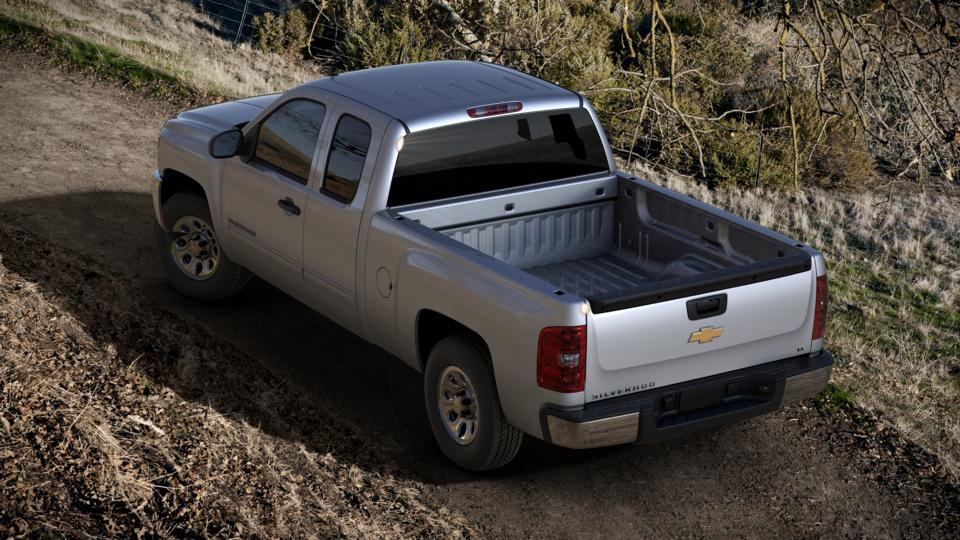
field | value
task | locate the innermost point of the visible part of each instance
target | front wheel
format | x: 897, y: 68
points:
x: 463, y: 407
x: 190, y: 253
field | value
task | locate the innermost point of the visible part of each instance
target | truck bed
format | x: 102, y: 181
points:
x: 640, y: 246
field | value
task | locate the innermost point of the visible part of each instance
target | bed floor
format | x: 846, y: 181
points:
x: 591, y: 276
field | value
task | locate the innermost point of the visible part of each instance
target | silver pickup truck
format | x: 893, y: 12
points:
x: 470, y: 219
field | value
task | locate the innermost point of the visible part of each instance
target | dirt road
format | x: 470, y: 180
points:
x: 76, y: 155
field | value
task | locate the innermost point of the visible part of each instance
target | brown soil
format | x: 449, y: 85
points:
x: 75, y: 220
x: 120, y: 419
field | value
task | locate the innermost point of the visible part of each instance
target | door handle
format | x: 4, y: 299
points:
x: 287, y: 206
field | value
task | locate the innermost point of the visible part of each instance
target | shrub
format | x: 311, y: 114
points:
x: 731, y: 158
x: 295, y: 31
x: 833, y: 149
x: 285, y: 34
x: 566, y: 42
x: 397, y: 33
x: 268, y: 33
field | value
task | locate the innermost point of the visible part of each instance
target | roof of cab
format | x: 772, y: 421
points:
x: 425, y: 94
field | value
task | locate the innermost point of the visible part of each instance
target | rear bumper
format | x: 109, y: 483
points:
x: 682, y: 408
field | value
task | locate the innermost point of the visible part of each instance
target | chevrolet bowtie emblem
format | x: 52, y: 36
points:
x: 706, y: 334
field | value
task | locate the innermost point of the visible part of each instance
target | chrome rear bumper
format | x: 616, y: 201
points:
x: 594, y: 433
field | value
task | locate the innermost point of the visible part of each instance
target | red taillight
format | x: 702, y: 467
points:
x: 820, y: 315
x: 561, y: 358
x: 497, y: 108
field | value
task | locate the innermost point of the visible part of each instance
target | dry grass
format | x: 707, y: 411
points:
x: 894, y: 320
x: 167, y: 35
x: 117, y: 420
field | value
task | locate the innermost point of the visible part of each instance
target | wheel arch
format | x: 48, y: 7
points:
x: 175, y: 182
x: 433, y: 326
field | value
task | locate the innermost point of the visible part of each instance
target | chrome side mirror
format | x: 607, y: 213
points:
x: 226, y: 144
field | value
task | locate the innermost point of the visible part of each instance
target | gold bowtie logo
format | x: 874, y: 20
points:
x: 706, y: 334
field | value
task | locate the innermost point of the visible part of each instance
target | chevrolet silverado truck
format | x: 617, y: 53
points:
x: 470, y: 219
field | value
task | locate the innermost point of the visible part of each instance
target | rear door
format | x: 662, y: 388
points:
x: 334, y: 208
x: 264, y: 196
x: 659, y: 344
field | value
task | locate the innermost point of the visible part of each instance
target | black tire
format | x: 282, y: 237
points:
x: 228, y: 279
x: 496, y: 442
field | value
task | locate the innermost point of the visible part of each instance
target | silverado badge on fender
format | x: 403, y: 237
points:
x: 706, y: 334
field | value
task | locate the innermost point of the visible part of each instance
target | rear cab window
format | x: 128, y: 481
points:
x: 348, y: 152
x: 496, y: 153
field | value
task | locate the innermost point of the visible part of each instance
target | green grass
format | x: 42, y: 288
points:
x: 103, y: 61
x: 834, y: 397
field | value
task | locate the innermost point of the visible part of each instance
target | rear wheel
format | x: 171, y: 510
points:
x: 190, y: 253
x: 463, y: 407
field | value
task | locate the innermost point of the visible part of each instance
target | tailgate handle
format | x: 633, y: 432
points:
x: 709, y: 306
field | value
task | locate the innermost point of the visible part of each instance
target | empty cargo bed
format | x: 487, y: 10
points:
x: 642, y: 246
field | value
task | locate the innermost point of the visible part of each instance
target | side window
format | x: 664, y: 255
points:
x: 348, y: 151
x: 288, y: 137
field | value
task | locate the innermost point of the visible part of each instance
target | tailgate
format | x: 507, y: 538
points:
x: 657, y: 344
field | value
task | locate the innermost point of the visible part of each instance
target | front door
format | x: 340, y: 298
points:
x: 265, y: 195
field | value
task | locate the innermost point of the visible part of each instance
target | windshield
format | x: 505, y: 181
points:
x: 496, y: 153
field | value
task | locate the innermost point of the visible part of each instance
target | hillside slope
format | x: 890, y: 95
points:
x: 170, y: 36
x: 75, y: 218
x: 116, y: 409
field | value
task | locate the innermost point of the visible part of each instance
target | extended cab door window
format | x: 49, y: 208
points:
x: 288, y: 138
x: 348, y: 151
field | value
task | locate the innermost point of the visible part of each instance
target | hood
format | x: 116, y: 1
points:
x: 223, y: 116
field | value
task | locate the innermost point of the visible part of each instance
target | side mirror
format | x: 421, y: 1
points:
x: 226, y: 144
